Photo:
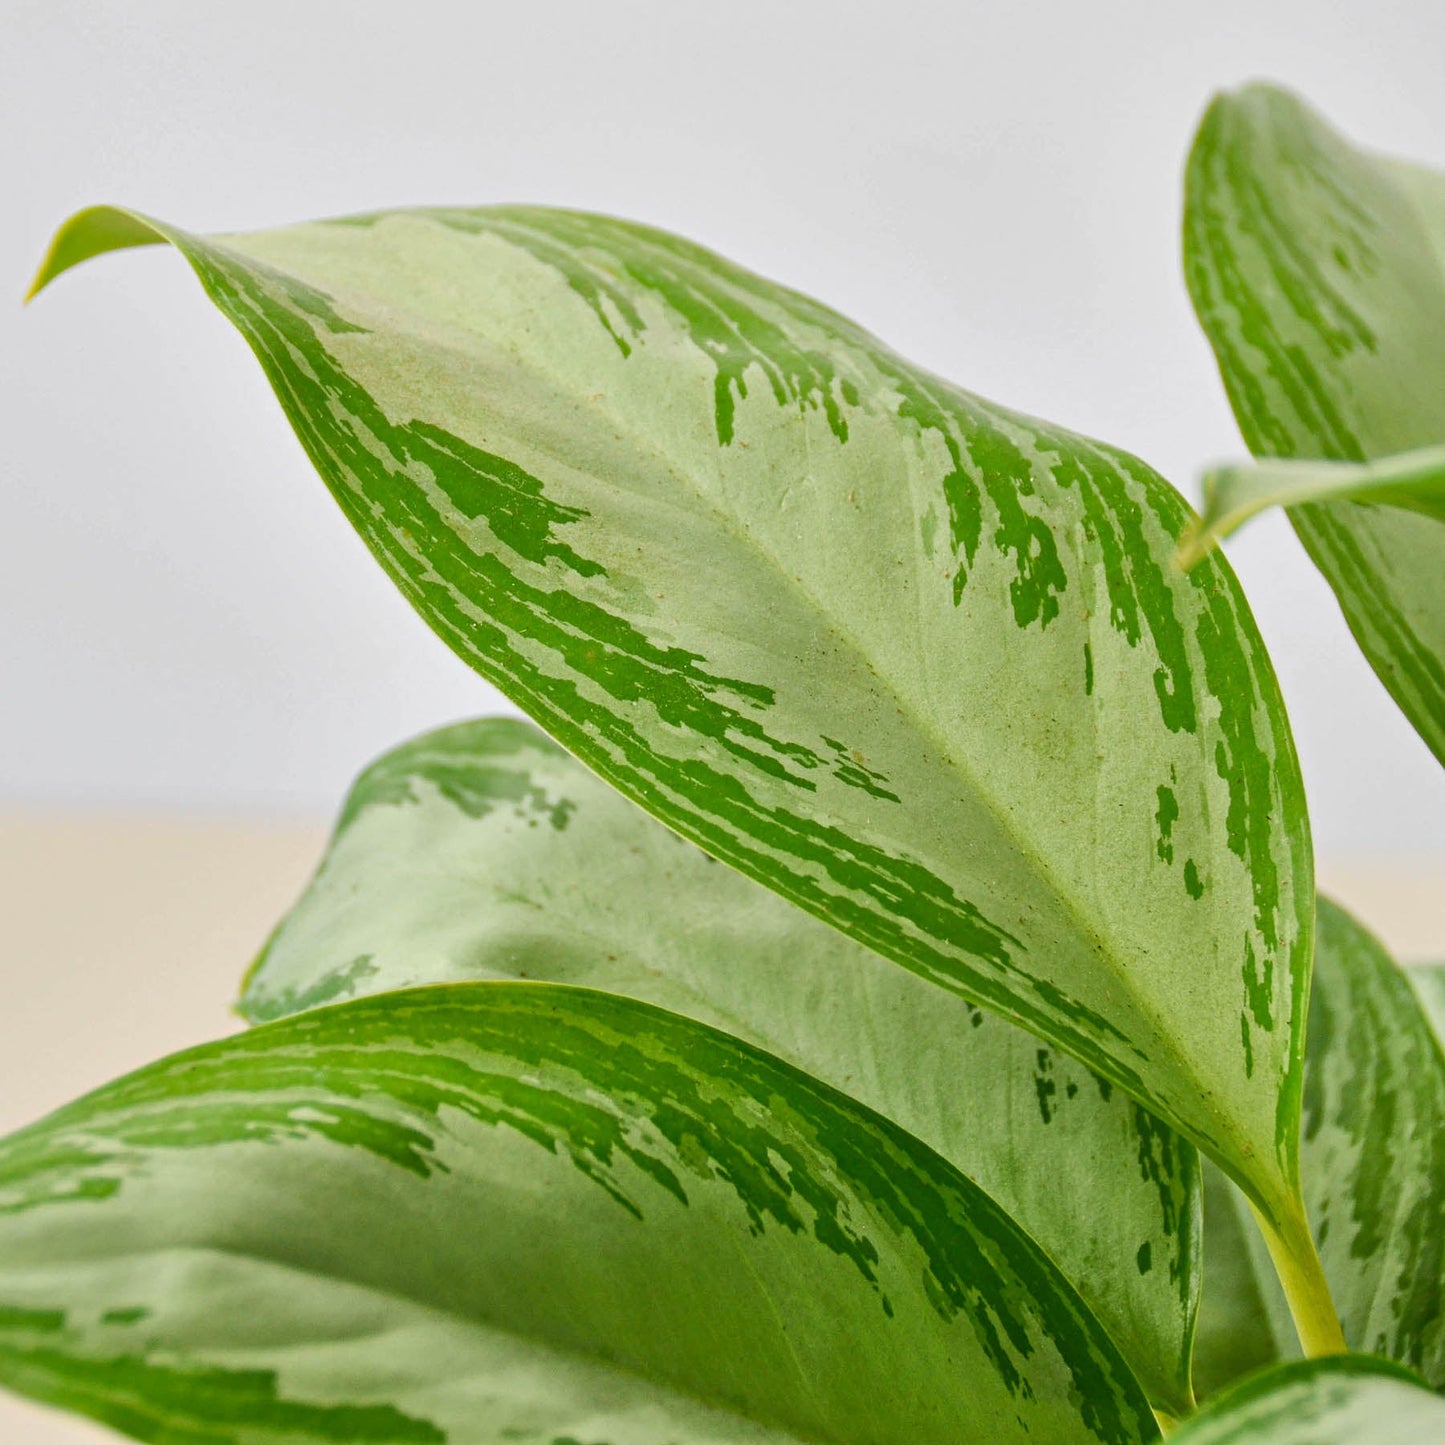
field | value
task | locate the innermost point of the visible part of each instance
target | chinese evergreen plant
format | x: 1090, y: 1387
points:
x: 879, y: 1017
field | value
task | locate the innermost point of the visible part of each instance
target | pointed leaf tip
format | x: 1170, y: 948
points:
x: 92, y: 232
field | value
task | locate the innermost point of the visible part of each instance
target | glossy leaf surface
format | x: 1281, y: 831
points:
x: 484, y: 851
x: 1318, y: 272
x: 921, y: 665
x: 1373, y: 1162
x: 1342, y: 1400
x: 526, y: 1213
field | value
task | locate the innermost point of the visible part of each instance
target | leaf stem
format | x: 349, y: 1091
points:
x: 1297, y: 1263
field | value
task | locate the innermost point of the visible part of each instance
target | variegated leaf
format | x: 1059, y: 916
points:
x: 505, y: 1212
x: 922, y: 665
x: 1341, y: 1400
x: 1318, y: 272
x: 484, y: 851
x: 1373, y: 1161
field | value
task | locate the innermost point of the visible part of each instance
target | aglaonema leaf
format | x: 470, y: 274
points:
x: 527, y: 1213
x: 1318, y: 272
x: 484, y: 851
x: 1340, y: 1400
x: 922, y: 665
x: 1373, y: 1164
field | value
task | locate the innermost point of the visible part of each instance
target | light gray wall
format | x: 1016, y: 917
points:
x: 186, y: 621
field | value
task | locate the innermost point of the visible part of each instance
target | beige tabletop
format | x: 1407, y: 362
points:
x: 124, y: 938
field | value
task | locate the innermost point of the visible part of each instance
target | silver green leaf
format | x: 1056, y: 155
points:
x: 528, y: 1213
x: 484, y: 851
x: 1318, y: 272
x: 1411, y: 482
x: 923, y: 666
x: 1341, y: 1400
x: 1373, y: 1162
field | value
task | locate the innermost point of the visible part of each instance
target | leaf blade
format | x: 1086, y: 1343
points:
x: 550, y: 427
x: 666, y: 1233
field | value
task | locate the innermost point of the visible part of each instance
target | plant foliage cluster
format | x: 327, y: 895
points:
x: 885, y: 1000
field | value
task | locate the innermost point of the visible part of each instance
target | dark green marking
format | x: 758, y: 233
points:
x: 177, y: 1405
x: 1166, y: 817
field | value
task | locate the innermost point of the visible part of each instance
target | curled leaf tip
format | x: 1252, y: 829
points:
x: 88, y: 233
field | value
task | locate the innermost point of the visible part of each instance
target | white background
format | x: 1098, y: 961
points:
x: 185, y: 620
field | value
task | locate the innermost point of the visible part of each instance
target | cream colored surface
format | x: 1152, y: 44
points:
x: 124, y: 937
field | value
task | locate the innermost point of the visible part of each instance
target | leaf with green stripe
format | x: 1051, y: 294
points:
x: 1318, y: 272
x: 528, y: 1213
x: 922, y: 665
x: 1342, y: 1400
x: 1373, y: 1161
x: 484, y: 851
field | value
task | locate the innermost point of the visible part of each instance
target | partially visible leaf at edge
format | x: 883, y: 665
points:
x: 1318, y: 273
x: 922, y: 665
x: 1411, y: 482
x: 483, y: 851
x: 1340, y: 1400
x: 526, y: 1213
x: 1372, y: 1161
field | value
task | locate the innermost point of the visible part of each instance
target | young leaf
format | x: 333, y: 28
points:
x: 1318, y: 272
x: 484, y: 851
x: 1373, y: 1162
x: 1412, y: 481
x: 1343, y: 1400
x: 921, y: 665
x: 505, y: 1212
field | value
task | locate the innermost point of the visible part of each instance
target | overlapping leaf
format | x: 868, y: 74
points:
x: 525, y: 1213
x: 919, y: 664
x: 484, y: 851
x: 1373, y: 1163
x: 1341, y: 1400
x: 1318, y: 272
